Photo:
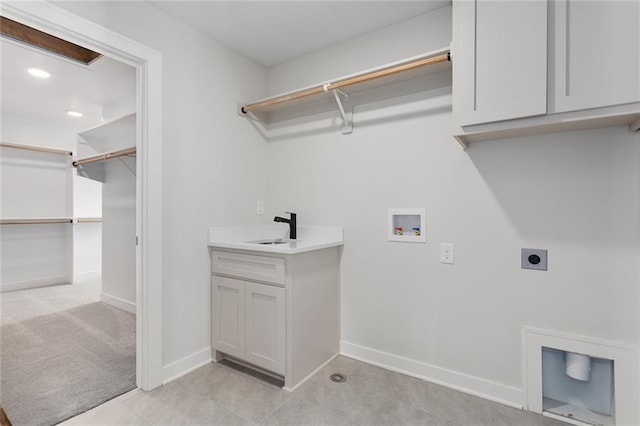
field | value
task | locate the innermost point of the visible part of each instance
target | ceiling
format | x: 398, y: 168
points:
x: 72, y: 86
x: 269, y: 32
x: 272, y: 32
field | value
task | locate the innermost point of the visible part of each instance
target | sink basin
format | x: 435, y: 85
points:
x: 272, y: 241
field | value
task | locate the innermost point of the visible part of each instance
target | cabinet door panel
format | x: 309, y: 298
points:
x: 228, y: 325
x: 596, y: 53
x: 266, y: 326
x: 499, y: 60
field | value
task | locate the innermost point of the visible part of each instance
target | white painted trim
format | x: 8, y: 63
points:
x: 301, y: 382
x: 87, y: 276
x: 186, y: 365
x: 626, y: 359
x: 40, y: 282
x: 125, y: 305
x: 492, y: 391
x: 56, y: 21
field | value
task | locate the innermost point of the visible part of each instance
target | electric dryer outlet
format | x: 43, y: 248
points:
x: 534, y: 259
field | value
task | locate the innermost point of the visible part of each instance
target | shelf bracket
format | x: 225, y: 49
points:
x: 347, y: 117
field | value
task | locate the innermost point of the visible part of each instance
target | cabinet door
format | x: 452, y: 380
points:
x: 266, y: 326
x: 228, y: 317
x: 499, y: 60
x: 596, y: 53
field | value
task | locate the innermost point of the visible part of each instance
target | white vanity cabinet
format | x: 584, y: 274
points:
x: 249, y: 322
x: 278, y: 312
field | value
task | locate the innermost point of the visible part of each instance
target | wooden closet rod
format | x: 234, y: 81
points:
x: 89, y: 219
x: 34, y: 221
x: 347, y: 82
x: 35, y: 148
x: 107, y: 156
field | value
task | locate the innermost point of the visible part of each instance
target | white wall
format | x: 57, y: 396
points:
x: 87, y: 252
x: 576, y: 194
x: 412, y: 37
x: 213, y: 160
x: 42, y: 185
x: 119, y: 234
x: 36, y: 184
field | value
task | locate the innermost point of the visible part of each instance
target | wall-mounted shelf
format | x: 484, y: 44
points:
x: 113, y: 135
x: 617, y: 115
x: 407, y: 225
x: 343, y: 92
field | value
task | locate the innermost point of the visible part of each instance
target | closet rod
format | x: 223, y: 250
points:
x: 103, y: 157
x: 35, y: 148
x: 89, y: 219
x: 34, y: 221
x: 444, y: 57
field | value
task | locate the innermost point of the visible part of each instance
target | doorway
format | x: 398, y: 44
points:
x: 55, y: 21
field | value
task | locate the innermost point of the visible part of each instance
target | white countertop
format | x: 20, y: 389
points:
x: 248, y: 237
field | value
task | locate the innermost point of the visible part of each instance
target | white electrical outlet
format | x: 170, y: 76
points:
x: 447, y: 253
x: 259, y: 207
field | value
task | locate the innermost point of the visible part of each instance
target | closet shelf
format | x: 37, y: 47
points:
x: 111, y: 135
x: 336, y: 89
x: 36, y: 148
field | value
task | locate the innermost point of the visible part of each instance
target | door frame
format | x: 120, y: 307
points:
x: 148, y: 63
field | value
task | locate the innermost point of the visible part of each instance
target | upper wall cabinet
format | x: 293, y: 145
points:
x: 595, y: 54
x: 499, y: 60
x: 526, y: 67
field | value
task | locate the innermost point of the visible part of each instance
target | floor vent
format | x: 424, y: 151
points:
x: 338, y: 378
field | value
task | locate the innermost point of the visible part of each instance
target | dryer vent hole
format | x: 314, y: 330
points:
x: 338, y: 378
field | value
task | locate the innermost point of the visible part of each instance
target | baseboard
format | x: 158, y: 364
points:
x: 125, y: 305
x: 476, y: 386
x: 40, y: 282
x: 83, y: 277
x: 186, y: 365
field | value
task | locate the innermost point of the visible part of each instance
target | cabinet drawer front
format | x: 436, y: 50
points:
x: 259, y: 268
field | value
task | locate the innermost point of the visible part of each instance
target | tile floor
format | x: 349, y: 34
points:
x: 219, y: 395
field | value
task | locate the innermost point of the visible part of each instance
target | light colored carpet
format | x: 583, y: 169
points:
x: 25, y: 304
x: 57, y: 365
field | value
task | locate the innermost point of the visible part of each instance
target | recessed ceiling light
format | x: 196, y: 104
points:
x: 74, y: 113
x: 38, y: 73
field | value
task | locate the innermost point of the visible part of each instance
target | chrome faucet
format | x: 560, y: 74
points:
x: 291, y: 222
